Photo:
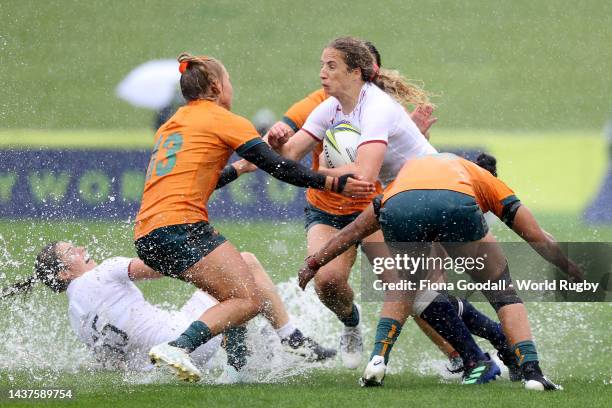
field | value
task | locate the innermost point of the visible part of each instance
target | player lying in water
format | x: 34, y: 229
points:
x: 109, y: 314
x: 442, y: 198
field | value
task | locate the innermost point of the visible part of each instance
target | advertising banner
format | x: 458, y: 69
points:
x: 107, y: 184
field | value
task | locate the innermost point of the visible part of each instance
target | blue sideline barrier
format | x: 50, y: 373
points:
x: 107, y: 184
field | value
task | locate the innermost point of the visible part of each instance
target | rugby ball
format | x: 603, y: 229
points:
x: 340, y: 145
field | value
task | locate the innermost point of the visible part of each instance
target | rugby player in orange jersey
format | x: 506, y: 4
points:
x: 172, y: 233
x: 442, y: 198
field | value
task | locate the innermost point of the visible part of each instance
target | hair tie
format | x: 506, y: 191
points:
x: 374, y: 72
x: 183, y: 66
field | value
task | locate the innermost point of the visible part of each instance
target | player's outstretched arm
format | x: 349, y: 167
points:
x: 364, y: 225
x: 294, y: 173
x: 527, y: 227
x: 139, y: 271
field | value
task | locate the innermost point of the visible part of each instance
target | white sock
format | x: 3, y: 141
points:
x: 286, y: 331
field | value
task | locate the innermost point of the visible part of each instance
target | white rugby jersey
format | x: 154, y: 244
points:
x: 379, y: 118
x: 109, y: 314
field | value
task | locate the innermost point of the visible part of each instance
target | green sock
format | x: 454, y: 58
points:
x: 235, y: 346
x: 525, y: 351
x: 387, y: 331
x: 196, y: 334
x: 353, y: 319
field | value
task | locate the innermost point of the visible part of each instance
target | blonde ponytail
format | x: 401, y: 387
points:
x: 399, y: 88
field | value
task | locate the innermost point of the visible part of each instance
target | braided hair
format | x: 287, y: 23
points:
x: 47, y: 266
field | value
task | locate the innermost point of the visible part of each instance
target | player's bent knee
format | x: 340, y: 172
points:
x: 328, y: 284
x: 504, y: 296
x: 257, y: 302
x: 249, y: 258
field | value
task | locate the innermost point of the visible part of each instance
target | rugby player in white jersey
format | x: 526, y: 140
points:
x: 109, y: 313
x: 353, y: 80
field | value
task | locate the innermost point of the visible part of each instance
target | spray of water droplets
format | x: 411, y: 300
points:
x: 39, y: 344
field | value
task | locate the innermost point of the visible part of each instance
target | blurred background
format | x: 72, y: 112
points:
x: 514, y: 66
x: 528, y: 81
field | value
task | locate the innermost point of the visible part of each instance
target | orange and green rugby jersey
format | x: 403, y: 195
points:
x: 190, y: 151
x: 446, y: 171
x: 327, y: 201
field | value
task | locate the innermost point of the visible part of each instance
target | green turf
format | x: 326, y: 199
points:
x: 573, y: 338
x: 279, y: 244
x: 76, y: 139
x: 501, y: 65
x: 556, y: 173
x: 328, y: 389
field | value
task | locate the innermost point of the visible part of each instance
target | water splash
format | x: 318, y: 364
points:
x: 39, y: 343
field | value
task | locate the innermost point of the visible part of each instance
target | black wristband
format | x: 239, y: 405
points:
x: 377, y: 204
x: 509, y: 212
x: 338, y: 187
x: 228, y: 174
x: 290, y: 123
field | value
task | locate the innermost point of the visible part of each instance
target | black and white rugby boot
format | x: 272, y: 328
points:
x: 534, y: 379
